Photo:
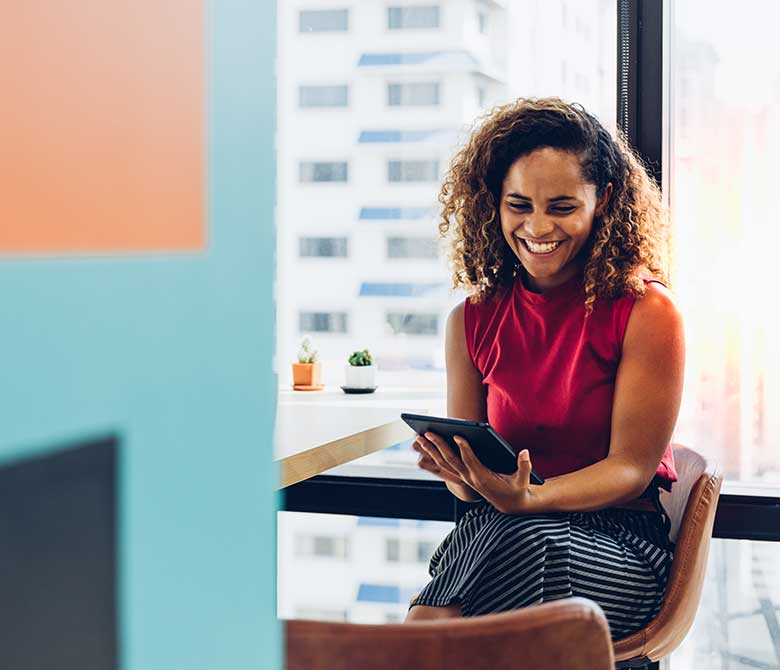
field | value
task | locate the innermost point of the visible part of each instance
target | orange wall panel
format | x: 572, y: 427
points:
x: 102, y: 126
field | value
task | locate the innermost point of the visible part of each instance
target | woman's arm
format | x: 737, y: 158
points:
x: 648, y: 390
x: 466, y: 398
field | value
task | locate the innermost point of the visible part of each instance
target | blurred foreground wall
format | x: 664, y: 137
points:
x: 136, y: 272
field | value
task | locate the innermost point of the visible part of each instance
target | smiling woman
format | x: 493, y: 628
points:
x: 549, y: 171
x: 547, y: 231
x: 572, y: 348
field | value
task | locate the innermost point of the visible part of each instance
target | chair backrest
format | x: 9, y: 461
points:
x: 689, y: 466
x: 691, y: 507
x: 571, y: 633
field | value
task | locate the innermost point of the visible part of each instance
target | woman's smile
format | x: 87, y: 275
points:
x: 542, y: 249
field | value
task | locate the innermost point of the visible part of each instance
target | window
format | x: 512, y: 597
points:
x: 323, y: 171
x: 419, y: 16
x: 323, y: 96
x: 725, y: 84
x: 481, y: 96
x: 482, y: 22
x: 403, y: 323
x: 322, y: 322
x: 392, y: 550
x: 409, y: 550
x: 323, y: 20
x: 425, y: 550
x: 412, y: 247
x: 323, y: 247
x: 353, y: 167
x: 412, y: 170
x: 413, y: 94
x: 321, y: 546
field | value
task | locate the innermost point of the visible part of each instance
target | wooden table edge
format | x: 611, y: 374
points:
x: 315, y: 461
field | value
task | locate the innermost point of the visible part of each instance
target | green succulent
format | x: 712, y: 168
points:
x: 361, y: 358
x: 306, y: 354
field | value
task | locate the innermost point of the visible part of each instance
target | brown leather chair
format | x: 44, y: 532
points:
x: 691, y: 508
x: 571, y: 633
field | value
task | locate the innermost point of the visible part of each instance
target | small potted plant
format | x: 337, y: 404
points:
x: 360, y: 373
x: 306, y: 372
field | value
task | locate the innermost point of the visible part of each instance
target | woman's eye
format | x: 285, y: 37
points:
x: 563, y: 210
x: 519, y: 207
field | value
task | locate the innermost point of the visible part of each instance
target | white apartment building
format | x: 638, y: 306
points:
x: 357, y: 569
x: 373, y: 97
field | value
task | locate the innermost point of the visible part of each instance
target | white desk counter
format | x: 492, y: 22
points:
x: 320, y: 430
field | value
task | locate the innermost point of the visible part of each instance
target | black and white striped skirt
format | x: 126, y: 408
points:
x: 495, y: 562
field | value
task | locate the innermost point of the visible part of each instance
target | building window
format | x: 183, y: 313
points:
x: 321, y: 546
x: 425, y: 550
x: 413, y: 94
x: 408, y: 551
x: 392, y: 550
x: 323, y: 20
x: 482, y: 22
x: 481, y: 96
x: 322, y: 247
x: 412, y: 247
x: 426, y: 171
x: 323, y: 96
x: 319, y: 171
x: 404, y: 323
x: 322, y: 322
x: 420, y: 16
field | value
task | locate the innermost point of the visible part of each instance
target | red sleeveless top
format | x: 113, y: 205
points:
x: 550, y: 373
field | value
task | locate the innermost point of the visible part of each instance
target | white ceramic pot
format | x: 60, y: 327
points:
x: 360, y: 376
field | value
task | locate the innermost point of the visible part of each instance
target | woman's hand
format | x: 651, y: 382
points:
x: 429, y: 460
x: 511, y: 494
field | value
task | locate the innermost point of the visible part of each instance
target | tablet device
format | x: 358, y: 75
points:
x: 489, y: 447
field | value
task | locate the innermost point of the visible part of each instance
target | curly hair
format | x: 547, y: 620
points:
x: 630, y: 236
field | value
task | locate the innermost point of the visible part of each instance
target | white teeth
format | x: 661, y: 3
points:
x: 541, y: 248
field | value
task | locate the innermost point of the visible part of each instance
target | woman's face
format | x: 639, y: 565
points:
x: 545, y: 201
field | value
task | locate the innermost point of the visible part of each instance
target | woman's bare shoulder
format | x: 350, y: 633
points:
x: 657, y: 312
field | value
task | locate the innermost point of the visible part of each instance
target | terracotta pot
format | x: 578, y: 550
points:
x: 306, y: 374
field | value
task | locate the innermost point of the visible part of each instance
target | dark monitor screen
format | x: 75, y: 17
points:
x: 58, y: 559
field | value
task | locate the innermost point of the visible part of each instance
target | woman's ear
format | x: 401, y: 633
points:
x: 603, y: 201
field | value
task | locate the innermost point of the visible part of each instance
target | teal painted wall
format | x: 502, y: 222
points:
x: 174, y: 353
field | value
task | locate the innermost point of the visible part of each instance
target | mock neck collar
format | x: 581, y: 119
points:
x: 572, y: 286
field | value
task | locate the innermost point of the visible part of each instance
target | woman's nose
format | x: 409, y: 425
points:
x: 538, y: 227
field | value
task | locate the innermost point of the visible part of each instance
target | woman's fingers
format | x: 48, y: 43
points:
x: 446, y: 454
x: 427, y: 463
x: 430, y: 450
x: 476, y: 471
x: 435, y: 451
x: 524, y: 468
